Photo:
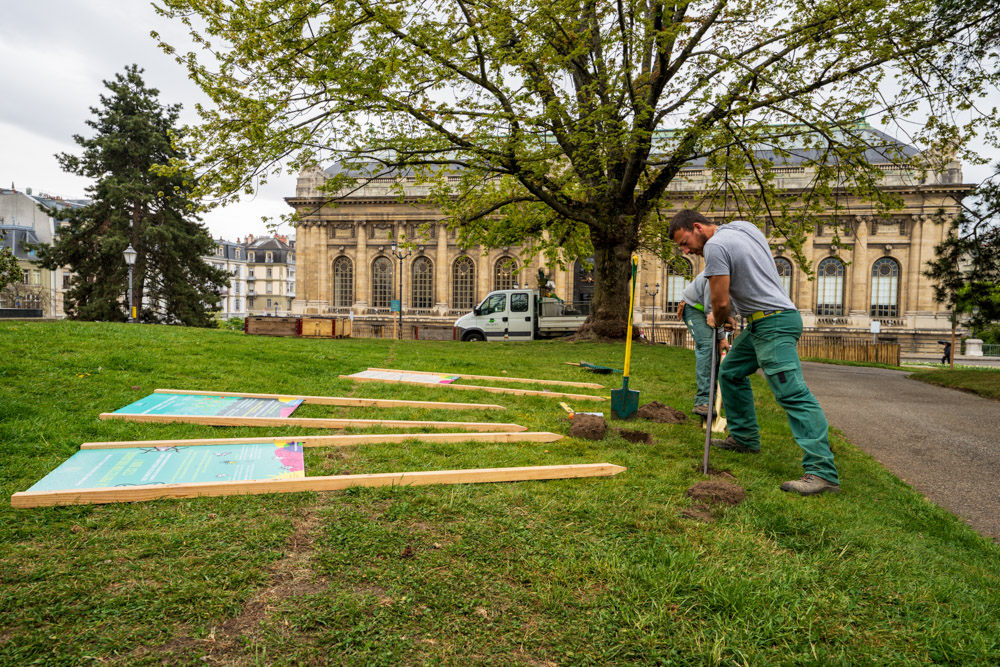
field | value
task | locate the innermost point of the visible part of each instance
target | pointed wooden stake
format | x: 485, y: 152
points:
x: 338, y: 400
x: 331, y: 483
x: 338, y: 440
x: 306, y: 422
x: 495, y: 390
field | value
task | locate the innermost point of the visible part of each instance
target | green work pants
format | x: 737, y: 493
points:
x: 770, y: 344
x: 702, y: 335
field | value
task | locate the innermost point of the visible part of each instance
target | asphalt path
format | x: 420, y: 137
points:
x: 945, y: 443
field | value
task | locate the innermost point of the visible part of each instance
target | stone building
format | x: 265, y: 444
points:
x: 24, y: 220
x: 270, y: 275
x: 346, y: 263
x: 231, y: 257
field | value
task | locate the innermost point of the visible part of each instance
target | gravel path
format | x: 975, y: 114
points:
x: 943, y: 442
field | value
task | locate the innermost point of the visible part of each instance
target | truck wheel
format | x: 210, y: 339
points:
x: 474, y: 337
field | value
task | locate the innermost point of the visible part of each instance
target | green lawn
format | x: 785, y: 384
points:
x: 598, y: 571
x: 982, y: 381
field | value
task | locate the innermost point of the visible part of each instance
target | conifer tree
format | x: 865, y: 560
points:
x: 134, y: 202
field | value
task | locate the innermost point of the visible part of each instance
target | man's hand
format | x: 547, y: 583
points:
x: 680, y: 311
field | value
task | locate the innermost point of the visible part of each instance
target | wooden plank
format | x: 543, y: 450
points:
x: 306, y: 422
x: 119, y: 494
x: 495, y: 390
x: 343, y: 401
x: 568, y: 383
x: 339, y: 440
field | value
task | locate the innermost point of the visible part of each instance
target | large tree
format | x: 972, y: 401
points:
x: 565, y: 121
x: 966, y: 268
x: 10, y: 270
x: 135, y: 201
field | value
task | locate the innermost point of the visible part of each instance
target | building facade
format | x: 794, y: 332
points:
x: 270, y: 275
x: 347, y: 265
x: 231, y: 257
x: 24, y: 221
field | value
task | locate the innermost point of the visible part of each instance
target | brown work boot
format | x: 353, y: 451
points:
x: 731, y: 445
x: 810, y: 485
x: 702, y: 410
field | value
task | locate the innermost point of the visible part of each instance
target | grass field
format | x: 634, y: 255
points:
x: 982, y: 381
x: 599, y: 571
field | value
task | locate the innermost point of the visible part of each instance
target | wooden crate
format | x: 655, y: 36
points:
x: 259, y: 325
x: 316, y: 327
x: 343, y: 328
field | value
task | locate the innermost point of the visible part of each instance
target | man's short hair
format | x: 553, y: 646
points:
x: 685, y: 219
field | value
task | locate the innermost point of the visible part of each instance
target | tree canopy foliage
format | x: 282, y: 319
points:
x: 134, y: 203
x: 966, y: 270
x: 10, y: 270
x: 567, y: 121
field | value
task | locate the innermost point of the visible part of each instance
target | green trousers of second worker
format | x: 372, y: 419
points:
x: 770, y: 344
x: 702, y: 335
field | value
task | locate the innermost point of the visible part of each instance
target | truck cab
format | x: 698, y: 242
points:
x: 515, y: 314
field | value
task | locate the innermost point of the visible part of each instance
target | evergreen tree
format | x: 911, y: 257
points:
x: 966, y: 269
x: 137, y: 203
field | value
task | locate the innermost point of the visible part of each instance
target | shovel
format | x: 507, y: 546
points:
x: 625, y: 401
x: 717, y: 335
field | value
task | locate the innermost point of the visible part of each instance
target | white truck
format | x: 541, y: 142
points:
x: 517, y: 314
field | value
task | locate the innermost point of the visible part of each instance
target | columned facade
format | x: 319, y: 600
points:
x: 874, y: 273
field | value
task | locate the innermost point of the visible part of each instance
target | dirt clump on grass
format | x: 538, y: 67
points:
x: 591, y: 427
x: 718, y: 491
x: 664, y: 414
x: 699, y: 512
x: 636, y: 436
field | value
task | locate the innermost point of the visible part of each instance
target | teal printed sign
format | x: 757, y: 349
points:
x: 140, y: 466
x: 211, y: 406
x: 394, y: 306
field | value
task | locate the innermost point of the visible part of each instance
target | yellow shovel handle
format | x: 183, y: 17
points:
x: 631, y: 302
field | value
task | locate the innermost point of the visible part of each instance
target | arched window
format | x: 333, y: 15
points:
x: 677, y: 280
x: 885, y: 288
x: 343, y: 283
x: 784, y: 274
x: 503, y: 273
x: 830, y: 287
x: 381, y: 282
x: 423, y: 283
x: 463, y: 284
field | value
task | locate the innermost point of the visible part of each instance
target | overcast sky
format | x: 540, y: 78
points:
x: 57, y: 53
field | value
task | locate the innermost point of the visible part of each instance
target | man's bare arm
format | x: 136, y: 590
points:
x: 719, y: 286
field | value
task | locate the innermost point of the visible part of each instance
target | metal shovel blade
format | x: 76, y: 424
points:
x: 624, y: 401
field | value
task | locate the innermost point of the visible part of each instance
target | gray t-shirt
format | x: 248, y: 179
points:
x: 739, y: 250
x: 698, y: 293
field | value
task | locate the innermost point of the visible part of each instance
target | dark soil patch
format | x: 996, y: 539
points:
x: 712, y: 472
x: 636, y: 436
x: 699, y: 512
x: 718, y: 491
x: 590, y: 427
x: 664, y: 414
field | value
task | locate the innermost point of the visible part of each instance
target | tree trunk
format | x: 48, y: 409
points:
x: 612, y: 277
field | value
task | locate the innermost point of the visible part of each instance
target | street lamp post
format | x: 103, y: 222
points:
x: 400, y: 254
x: 656, y: 290
x: 130, y: 255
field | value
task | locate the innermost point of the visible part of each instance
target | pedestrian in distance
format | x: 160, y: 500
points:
x: 743, y: 279
x: 693, y: 311
x: 946, y: 355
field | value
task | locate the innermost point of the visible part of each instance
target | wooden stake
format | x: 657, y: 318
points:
x: 329, y: 483
x: 495, y: 390
x: 306, y: 422
x: 338, y: 440
x: 337, y: 400
x: 568, y: 383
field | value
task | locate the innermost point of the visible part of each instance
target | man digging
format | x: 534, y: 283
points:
x: 742, y: 278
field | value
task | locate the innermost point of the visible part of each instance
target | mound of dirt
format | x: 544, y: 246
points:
x: 664, y: 414
x: 590, y: 427
x: 718, y: 491
x: 636, y: 436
